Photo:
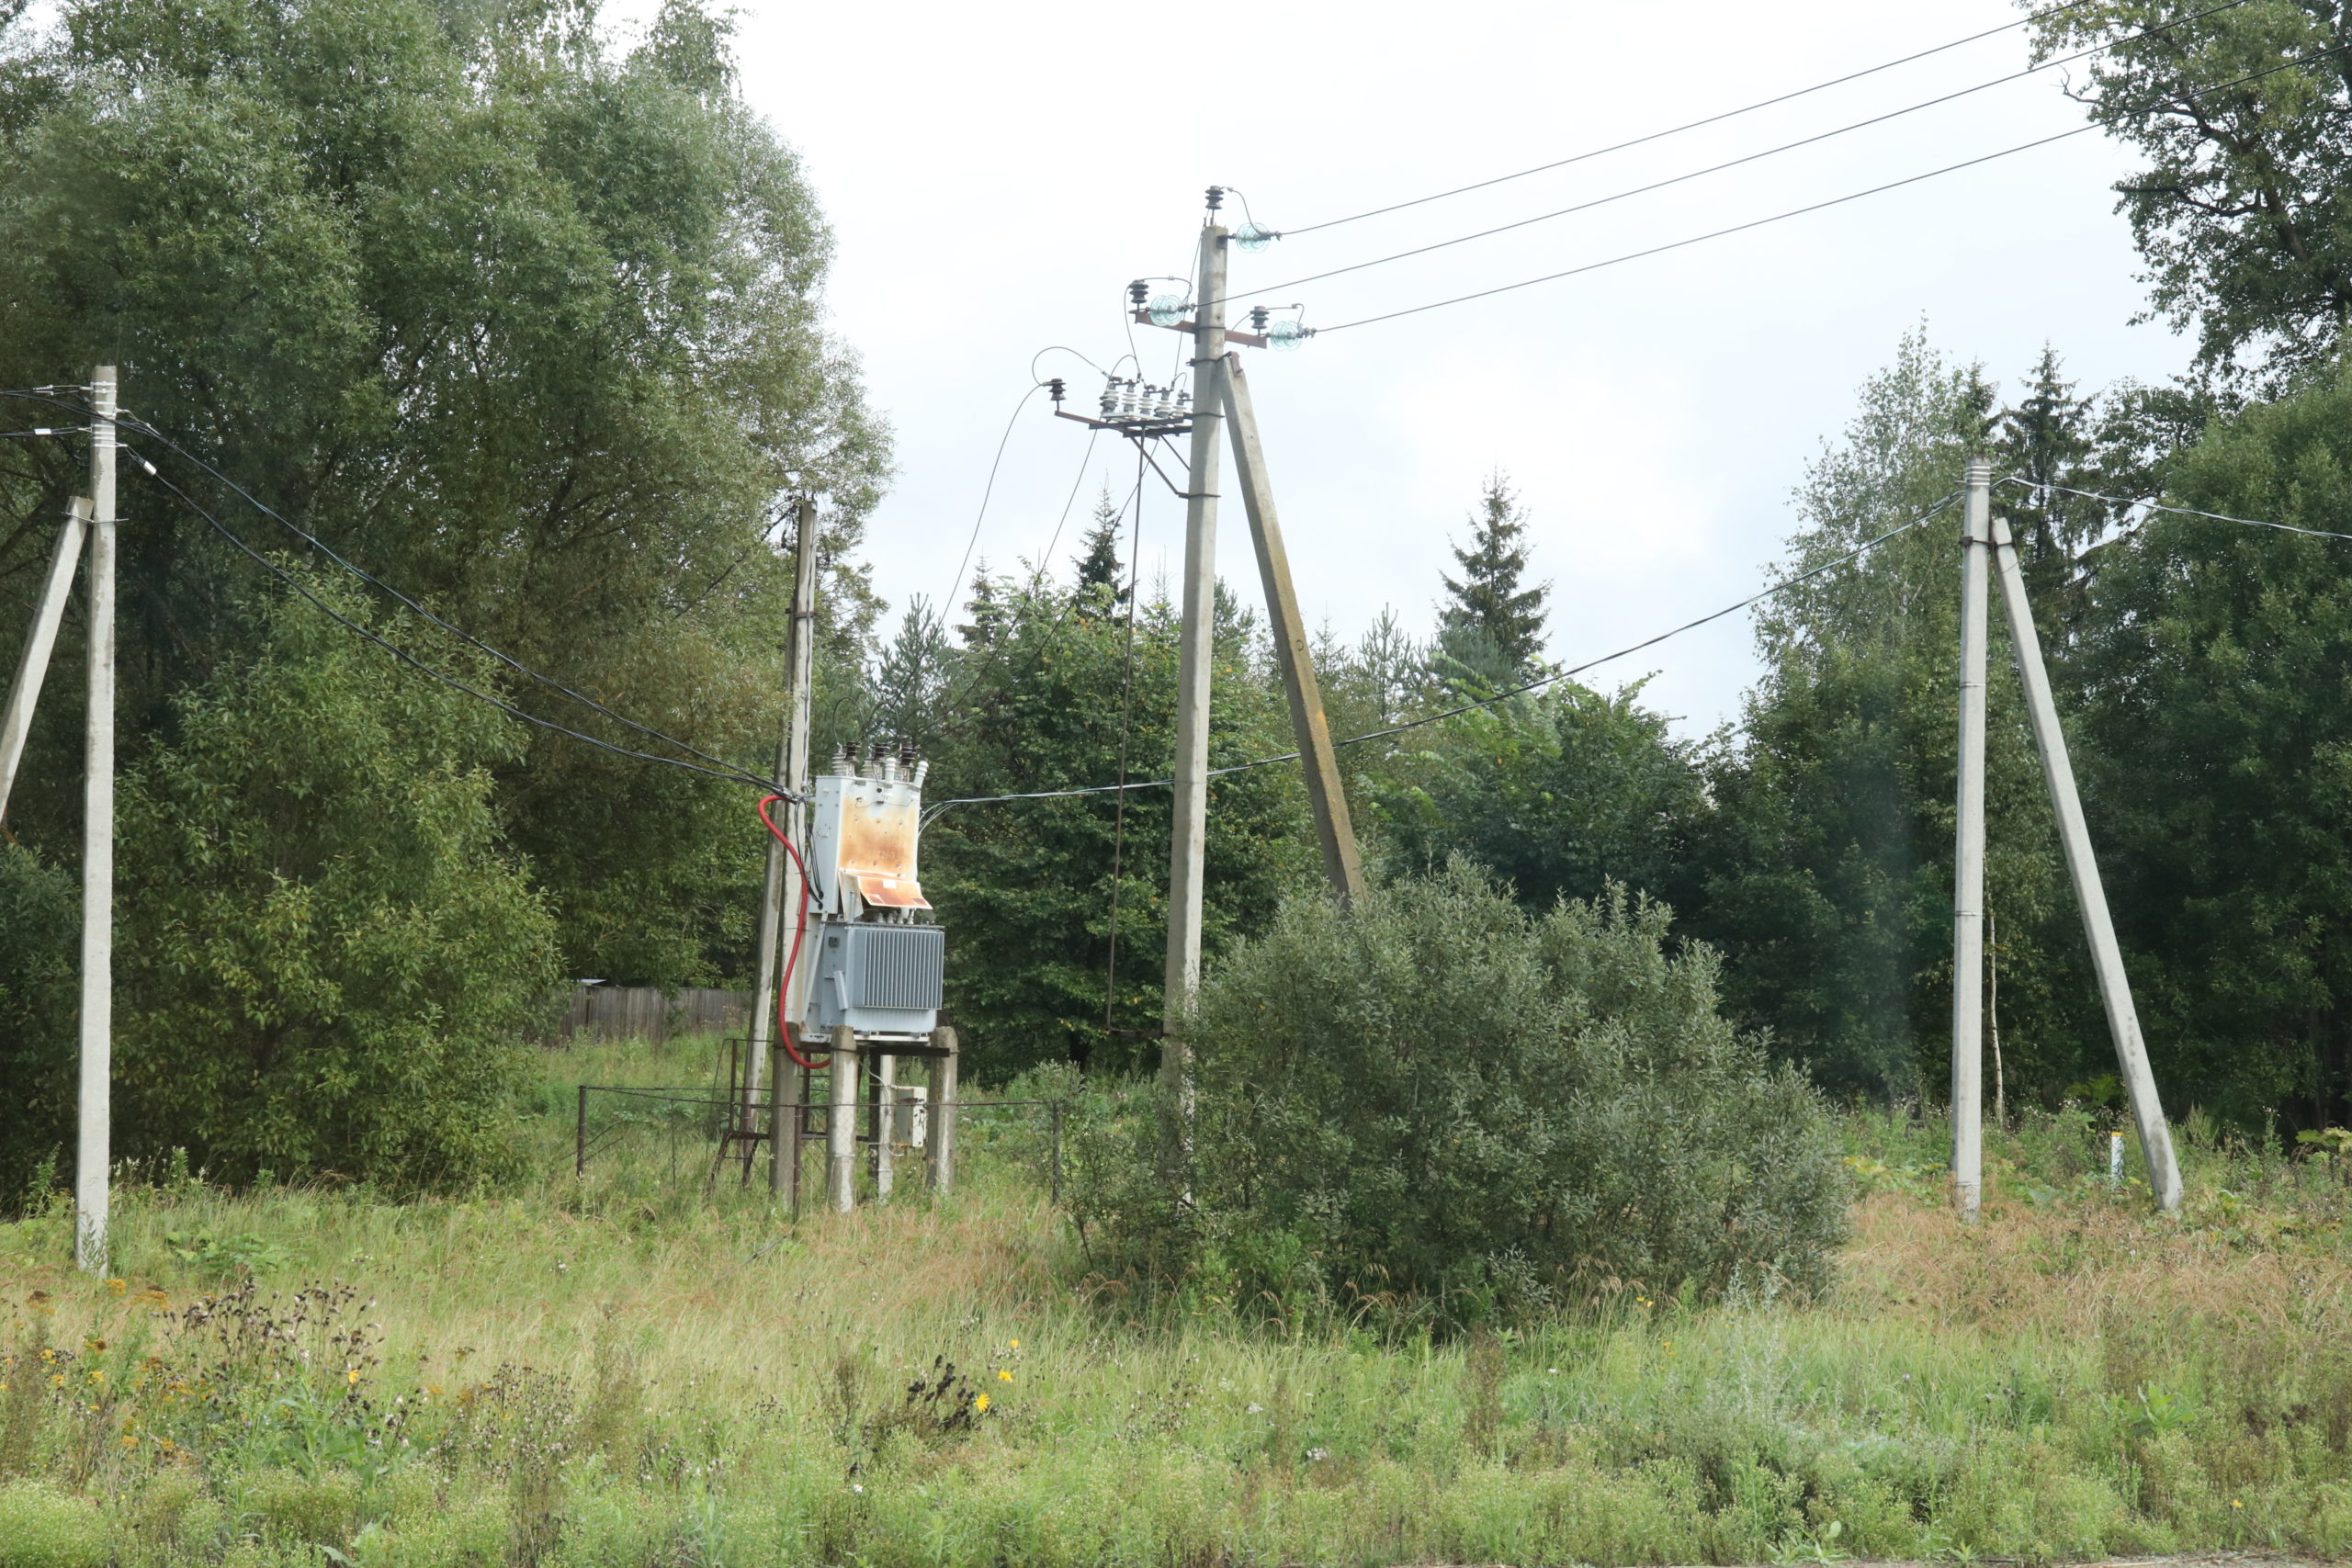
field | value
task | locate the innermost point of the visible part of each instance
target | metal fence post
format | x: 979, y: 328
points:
x: 1057, y: 1154
x: 580, y: 1139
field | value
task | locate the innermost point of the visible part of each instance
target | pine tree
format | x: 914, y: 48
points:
x: 1492, y: 621
x: 1099, y: 568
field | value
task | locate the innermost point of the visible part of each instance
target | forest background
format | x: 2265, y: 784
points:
x: 532, y: 328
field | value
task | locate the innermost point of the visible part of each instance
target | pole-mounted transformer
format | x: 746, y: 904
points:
x: 878, y: 965
x: 876, y: 968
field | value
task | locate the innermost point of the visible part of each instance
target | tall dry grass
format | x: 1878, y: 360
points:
x: 633, y: 1370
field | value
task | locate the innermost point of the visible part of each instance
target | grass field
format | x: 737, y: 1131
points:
x: 628, y: 1371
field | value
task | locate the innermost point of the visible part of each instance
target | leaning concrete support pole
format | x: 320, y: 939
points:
x: 1294, y: 655
x: 840, y: 1124
x: 16, y: 719
x: 2074, y: 834
x: 1968, y: 857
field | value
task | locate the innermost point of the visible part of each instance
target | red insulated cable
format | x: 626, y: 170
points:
x: 799, y: 930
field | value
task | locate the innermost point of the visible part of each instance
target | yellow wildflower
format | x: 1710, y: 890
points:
x: 981, y: 1404
x: 351, y: 1374
x: 1003, y: 1375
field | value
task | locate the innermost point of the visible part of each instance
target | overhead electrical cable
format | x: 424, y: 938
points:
x: 1815, y: 206
x: 1696, y: 124
x: 732, y: 774
x: 1728, y: 164
x: 2179, y: 511
x: 551, y: 682
x: 973, y: 543
x: 1555, y: 678
x: 1071, y: 500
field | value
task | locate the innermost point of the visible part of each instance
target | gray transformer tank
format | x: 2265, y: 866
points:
x: 874, y: 963
x: 879, y: 979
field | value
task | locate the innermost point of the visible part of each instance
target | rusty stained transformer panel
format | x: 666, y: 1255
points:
x: 862, y: 844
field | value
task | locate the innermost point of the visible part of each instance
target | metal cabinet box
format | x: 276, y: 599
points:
x: 879, y: 979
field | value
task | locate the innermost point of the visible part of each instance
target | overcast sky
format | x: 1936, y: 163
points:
x: 997, y: 173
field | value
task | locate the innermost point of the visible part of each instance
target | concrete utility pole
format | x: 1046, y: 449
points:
x: 782, y: 906
x: 2106, y: 958
x: 17, y: 720
x: 1196, y: 654
x: 939, y: 1145
x: 841, y: 1121
x: 1333, y: 831
x: 1968, y: 860
x: 95, y: 1153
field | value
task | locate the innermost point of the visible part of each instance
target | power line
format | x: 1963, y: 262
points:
x: 732, y: 774
x: 1071, y: 500
x: 937, y: 807
x: 1728, y: 164
x: 969, y: 545
x: 2181, y: 510
x: 1818, y: 206
x: 1701, y: 238
x: 145, y: 428
x: 1696, y: 124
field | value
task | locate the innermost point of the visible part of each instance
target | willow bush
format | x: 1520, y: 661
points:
x: 1439, y: 1106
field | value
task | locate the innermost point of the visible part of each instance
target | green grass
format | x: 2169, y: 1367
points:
x: 632, y: 1372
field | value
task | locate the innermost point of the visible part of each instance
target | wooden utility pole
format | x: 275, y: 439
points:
x: 1196, y: 654
x: 2090, y: 895
x: 1968, y: 859
x: 1333, y: 831
x: 781, y: 908
x: 94, y: 1150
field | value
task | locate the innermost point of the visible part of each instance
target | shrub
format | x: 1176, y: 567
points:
x: 1440, y: 1105
x: 43, y: 1528
x: 40, y: 922
x: 328, y: 956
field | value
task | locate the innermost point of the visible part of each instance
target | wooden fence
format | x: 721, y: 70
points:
x: 647, y: 1012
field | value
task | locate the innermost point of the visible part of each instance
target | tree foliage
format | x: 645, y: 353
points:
x: 2243, y: 210
x: 1490, y: 626
x: 529, y: 327
x: 2215, y: 680
x: 1559, y: 792
x: 329, y: 960
x: 1045, y: 697
x: 39, y: 966
x: 1827, y: 868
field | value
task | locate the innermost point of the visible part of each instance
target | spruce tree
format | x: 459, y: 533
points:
x: 911, y: 679
x: 2045, y: 440
x: 1492, y: 624
x: 985, y: 607
x: 1099, y: 567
